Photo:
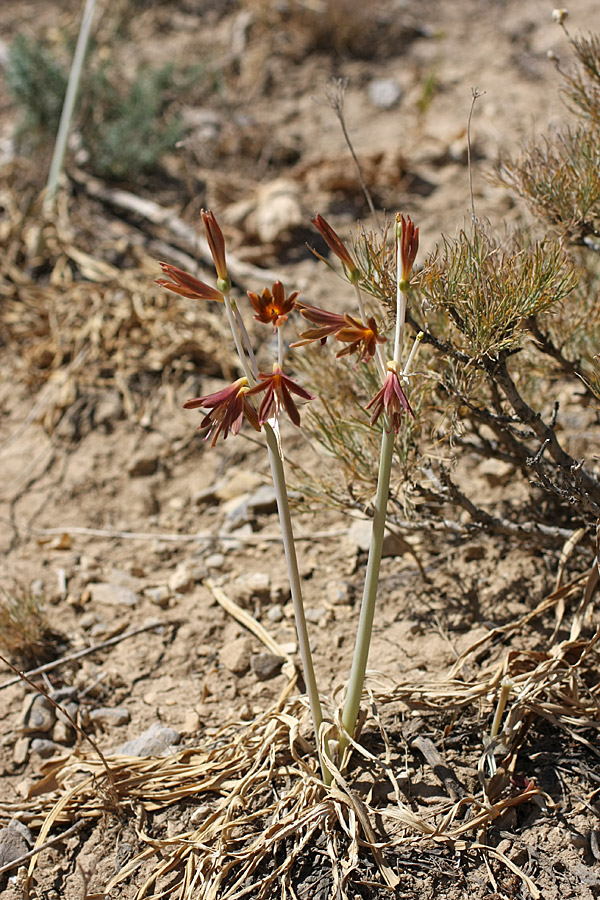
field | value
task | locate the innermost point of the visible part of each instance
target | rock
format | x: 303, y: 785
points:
x: 44, y: 748
x: 12, y: 845
x: 185, y: 576
x: 496, y: 471
x: 112, y: 594
x: 208, y: 496
x: 158, y: 740
x: 384, y: 93
x: 338, y: 593
x: 263, y: 501
x: 235, y: 655
x: 39, y: 715
x: 359, y: 533
x: 63, y: 733
x: 278, y: 210
x: 315, y: 615
x: 242, y: 481
x: 237, y: 513
x: 110, y: 715
x: 191, y: 722
x: 215, y: 561
x: 21, y: 751
x: 251, y: 587
x: 160, y: 595
x: 266, y: 665
x: 71, y: 709
x: 275, y: 613
x: 146, y: 460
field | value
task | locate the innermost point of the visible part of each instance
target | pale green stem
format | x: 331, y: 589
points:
x: 412, y: 354
x: 69, y: 104
x: 280, y: 346
x: 400, y: 309
x: 236, y: 337
x: 278, y: 473
x: 247, y: 342
x: 379, y: 355
x: 367, y: 609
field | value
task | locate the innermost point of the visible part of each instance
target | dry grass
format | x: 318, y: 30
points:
x: 251, y: 804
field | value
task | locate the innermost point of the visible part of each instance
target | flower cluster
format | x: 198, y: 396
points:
x: 230, y: 406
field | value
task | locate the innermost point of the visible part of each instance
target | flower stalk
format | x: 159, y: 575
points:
x: 391, y: 401
x: 289, y: 547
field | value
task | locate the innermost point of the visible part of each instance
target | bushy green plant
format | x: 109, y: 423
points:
x: 125, y: 128
x: 38, y: 83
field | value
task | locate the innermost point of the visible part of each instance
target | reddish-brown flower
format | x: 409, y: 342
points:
x: 186, y: 285
x: 409, y: 245
x: 363, y: 339
x: 228, y: 408
x: 335, y: 244
x: 216, y: 243
x: 272, y: 306
x: 390, y: 399
x: 278, y: 389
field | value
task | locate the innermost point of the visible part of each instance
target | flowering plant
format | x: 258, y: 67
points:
x: 228, y: 408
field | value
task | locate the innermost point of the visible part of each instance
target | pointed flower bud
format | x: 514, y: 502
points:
x: 186, y: 285
x: 408, y: 237
x: 228, y: 408
x: 216, y: 243
x: 278, y: 389
x: 327, y: 323
x: 272, y: 306
x: 336, y: 246
x: 391, y: 399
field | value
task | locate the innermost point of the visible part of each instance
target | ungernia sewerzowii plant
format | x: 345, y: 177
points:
x: 227, y: 409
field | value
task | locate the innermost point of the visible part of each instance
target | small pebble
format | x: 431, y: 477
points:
x: 110, y: 715
x: 215, y: 561
x: 40, y: 716
x: 62, y: 733
x: 275, y: 613
x: 266, y: 665
x: 21, y: 751
x: 12, y: 845
x: 263, y: 501
x: 315, y: 615
x: 384, y: 93
x: 112, y: 594
x: 158, y: 740
x: 44, y: 748
x: 235, y: 655
x: 160, y: 595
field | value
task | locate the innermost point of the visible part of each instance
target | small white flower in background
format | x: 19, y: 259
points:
x: 559, y: 15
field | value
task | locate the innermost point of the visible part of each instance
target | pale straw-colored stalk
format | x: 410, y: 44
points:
x: 69, y: 104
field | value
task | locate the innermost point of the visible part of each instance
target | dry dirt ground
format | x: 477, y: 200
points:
x: 116, y: 514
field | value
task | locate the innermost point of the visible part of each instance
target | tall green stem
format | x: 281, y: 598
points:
x: 367, y: 609
x: 278, y: 472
